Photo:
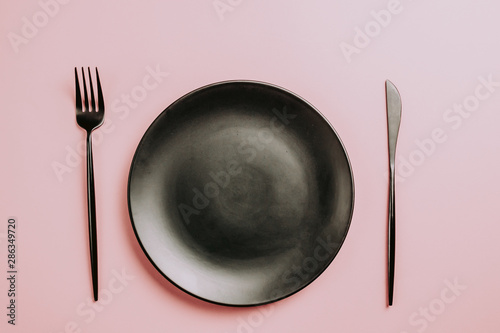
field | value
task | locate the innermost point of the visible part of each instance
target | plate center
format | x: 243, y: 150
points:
x: 247, y: 210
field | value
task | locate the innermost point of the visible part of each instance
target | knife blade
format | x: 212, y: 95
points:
x: 393, y: 105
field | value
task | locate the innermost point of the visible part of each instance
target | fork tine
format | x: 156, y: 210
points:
x: 85, y: 92
x: 78, y: 94
x: 99, y: 92
x: 91, y: 86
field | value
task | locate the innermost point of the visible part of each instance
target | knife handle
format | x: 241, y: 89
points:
x: 391, y: 250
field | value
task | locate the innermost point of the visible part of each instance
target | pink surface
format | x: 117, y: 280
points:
x: 440, y: 54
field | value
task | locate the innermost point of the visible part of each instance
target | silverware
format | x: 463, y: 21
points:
x: 393, y: 102
x: 90, y: 117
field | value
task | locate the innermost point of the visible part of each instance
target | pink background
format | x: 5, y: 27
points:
x: 447, y: 191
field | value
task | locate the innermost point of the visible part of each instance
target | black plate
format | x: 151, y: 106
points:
x: 241, y: 193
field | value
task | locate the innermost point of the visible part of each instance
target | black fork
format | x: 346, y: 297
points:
x: 90, y: 117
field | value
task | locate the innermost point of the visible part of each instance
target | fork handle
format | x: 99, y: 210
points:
x: 92, y: 215
x: 391, y: 250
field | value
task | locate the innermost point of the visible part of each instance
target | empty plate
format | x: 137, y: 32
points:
x: 240, y: 193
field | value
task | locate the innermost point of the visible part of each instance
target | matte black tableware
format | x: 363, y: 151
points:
x: 241, y: 193
x: 90, y: 117
x: 393, y: 101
